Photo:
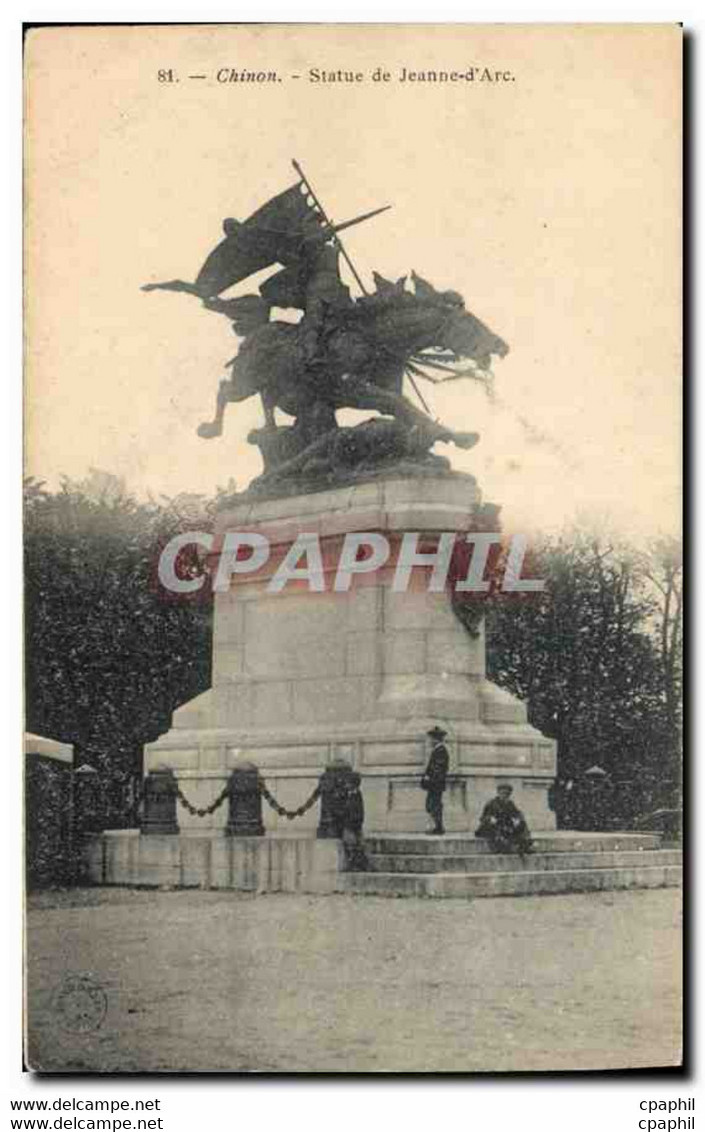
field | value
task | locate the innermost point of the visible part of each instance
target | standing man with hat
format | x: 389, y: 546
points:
x: 434, y: 779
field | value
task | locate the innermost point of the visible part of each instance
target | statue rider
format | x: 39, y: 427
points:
x: 326, y: 296
x: 313, y: 285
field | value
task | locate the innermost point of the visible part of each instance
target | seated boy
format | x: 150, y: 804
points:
x: 504, y: 825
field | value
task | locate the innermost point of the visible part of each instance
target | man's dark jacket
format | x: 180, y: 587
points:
x: 434, y: 778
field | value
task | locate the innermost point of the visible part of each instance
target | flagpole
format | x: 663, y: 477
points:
x: 359, y: 219
x: 336, y: 237
x: 350, y: 264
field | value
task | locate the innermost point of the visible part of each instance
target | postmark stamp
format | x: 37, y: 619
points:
x: 80, y: 1003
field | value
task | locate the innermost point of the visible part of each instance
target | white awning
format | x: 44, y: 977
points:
x: 50, y: 748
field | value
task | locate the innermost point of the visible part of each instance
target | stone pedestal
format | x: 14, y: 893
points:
x: 301, y: 678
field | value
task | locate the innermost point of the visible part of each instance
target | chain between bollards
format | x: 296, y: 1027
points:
x: 245, y: 790
x: 207, y: 810
x: 282, y: 811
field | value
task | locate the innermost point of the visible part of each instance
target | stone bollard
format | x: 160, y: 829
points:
x: 334, y: 784
x: 159, y: 814
x: 245, y: 801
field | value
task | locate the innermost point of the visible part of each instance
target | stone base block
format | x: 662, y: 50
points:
x: 390, y: 759
x: 515, y: 883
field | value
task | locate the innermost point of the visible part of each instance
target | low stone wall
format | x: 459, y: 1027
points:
x: 246, y: 864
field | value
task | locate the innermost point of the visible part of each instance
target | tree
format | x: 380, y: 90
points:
x: 662, y: 569
x: 108, y: 656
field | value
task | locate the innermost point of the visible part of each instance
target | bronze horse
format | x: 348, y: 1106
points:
x: 365, y: 352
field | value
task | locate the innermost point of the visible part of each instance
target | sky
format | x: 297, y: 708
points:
x: 549, y: 199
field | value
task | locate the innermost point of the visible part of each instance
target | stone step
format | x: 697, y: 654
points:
x: 464, y: 844
x: 530, y: 882
x: 537, y: 862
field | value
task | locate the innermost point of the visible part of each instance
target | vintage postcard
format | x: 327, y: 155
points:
x: 353, y: 556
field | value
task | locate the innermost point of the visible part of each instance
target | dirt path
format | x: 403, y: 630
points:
x: 223, y: 981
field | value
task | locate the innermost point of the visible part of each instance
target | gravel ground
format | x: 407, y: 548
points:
x: 213, y: 981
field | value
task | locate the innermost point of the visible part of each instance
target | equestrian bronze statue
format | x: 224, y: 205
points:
x: 343, y: 353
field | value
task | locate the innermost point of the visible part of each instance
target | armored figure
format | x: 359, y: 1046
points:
x: 314, y: 286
